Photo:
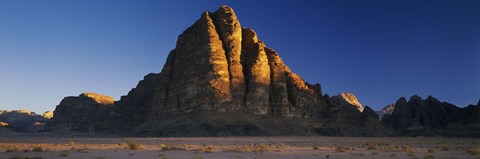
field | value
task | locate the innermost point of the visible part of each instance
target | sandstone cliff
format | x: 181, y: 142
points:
x: 80, y: 113
x: 348, y: 100
x: 219, y: 66
x: 220, y: 79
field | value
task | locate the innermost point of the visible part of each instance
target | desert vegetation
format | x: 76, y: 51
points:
x: 239, y: 147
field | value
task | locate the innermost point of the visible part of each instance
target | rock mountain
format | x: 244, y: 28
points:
x: 219, y: 80
x: 424, y: 117
x: 222, y: 80
x: 79, y: 113
x: 24, y: 120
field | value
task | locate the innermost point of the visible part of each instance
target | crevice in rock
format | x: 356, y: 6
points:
x: 272, y: 89
x: 224, y: 46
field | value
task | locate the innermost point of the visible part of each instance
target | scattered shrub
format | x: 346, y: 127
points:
x: 206, y: 149
x: 371, y: 146
x: 70, y: 143
x: 15, y: 149
x: 81, y: 150
x: 164, y: 147
x: 407, y: 149
x: 37, y: 148
x: 135, y: 145
x: 340, y: 149
x: 474, y: 151
x: 430, y: 151
x: 445, y: 147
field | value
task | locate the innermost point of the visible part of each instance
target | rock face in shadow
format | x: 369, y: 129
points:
x: 472, y: 114
x: 432, y: 117
x: 22, y: 120
x: 80, y: 113
x: 222, y: 69
x: 344, y: 119
x: 387, y: 110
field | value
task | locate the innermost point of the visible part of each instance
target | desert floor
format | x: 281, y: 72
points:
x: 58, y: 146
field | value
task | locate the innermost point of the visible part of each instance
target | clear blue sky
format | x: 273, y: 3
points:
x: 379, y: 50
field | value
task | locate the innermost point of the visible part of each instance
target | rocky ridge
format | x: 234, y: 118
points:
x: 347, y: 99
x: 387, y: 110
x: 80, y: 113
x: 221, y: 80
x: 220, y: 69
x: 432, y: 117
x: 22, y: 120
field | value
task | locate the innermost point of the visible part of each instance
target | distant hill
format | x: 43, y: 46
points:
x: 24, y: 120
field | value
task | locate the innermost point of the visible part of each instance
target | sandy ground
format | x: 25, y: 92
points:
x: 27, y: 146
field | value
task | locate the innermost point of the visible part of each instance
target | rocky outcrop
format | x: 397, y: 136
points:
x: 347, y: 99
x: 220, y: 79
x: 3, y: 124
x: 22, y: 120
x: 387, y: 110
x: 80, y: 113
x: 48, y: 114
x: 345, y: 119
x: 219, y: 66
x: 472, y: 114
x: 432, y: 117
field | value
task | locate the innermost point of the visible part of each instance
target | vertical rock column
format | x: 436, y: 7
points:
x: 278, y: 89
x: 230, y: 31
x: 200, y: 80
x: 257, y: 73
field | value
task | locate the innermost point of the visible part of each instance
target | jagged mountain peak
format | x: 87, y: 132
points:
x: 350, y: 99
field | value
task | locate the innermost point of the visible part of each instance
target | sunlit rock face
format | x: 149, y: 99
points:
x: 48, y: 114
x: 222, y: 80
x: 218, y: 65
x: 79, y: 113
x: 387, y: 110
x: 99, y: 98
x: 3, y: 124
x: 347, y: 99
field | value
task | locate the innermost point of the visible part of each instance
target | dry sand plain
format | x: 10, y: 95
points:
x: 84, y: 147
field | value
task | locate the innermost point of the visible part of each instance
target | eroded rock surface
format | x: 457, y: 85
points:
x: 80, y: 113
x: 387, y: 110
x: 48, y: 114
x: 22, y: 120
x: 219, y: 67
x: 347, y: 99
